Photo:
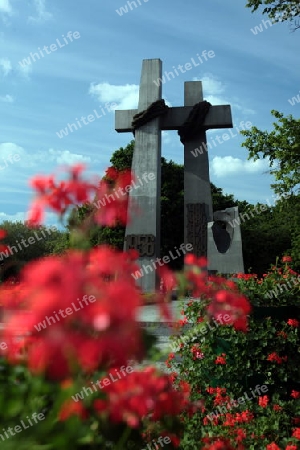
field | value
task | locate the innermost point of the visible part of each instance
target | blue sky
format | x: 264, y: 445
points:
x: 253, y: 72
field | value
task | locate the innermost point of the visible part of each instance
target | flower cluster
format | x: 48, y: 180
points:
x: 97, y: 334
x: 280, y: 285
x: 223, y: 294
x: 142, y: 394
x: 59, y: 196
x: 105, y: 333
x: 196, y: 352
x: 278, y: 359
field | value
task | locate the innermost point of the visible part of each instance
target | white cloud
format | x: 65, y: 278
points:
x: 5, y: 66
x: 126, y: 96
x: 34, y: 160
x: 42, y: 14
x: 228, y: 165
x: 5, y: 6
x: 9, y: 148
x: 211, y: 84
x: 6, y: 98
x: 166, y: 138
x: 25, y: 70
x: 66, y: 157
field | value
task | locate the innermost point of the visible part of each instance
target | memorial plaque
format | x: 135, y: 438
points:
x: 197, y: 228
x: 144, y: 244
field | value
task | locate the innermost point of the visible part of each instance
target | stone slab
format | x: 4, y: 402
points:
x: 218, y: 117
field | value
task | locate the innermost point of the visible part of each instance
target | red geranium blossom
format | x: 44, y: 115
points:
x: 236, y: 306
x: 287, y: 259
x: 58, y: 196
x: 196, y: 352
x: 296, y: 433
x: 263, y: 401
x: 141, y: 394
x: 93, y: 333
x: 221, y: 359
x: 293, y: 322
x: 295, y: 394
x: 272, y: 446
x: 274, y: 357
x: 3, y: 234
x: 220, y: 444
x: 71, y: 408
x: 111, y: 201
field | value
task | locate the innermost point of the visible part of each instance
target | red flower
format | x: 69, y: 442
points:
x: 296, y: 433
x: 192, y: 260
x: 263, y: 401
x: 272, y: 446
x: 241, y: 434
x: 196, y: 352
x: 274, y: 357
x: 295, y: 394
x: 286, y: 259
x: 220, y: 444
x: 57, y: 343
x: 3, y: 234
x: 72, y: 408
x: 111, y: 174
x: 277, y: 407
x: 293, y: 322
x: 58, y: 196
x: 233, y: 304
x: 111, y: 201
x: 141, y: 394
x: 291, y: 447
x: 221, y: 359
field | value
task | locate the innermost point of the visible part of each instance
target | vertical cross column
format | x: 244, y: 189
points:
x: 197, y: 191
x: 143, y: 232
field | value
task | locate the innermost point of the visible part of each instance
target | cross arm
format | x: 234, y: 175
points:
x: 217, y: 117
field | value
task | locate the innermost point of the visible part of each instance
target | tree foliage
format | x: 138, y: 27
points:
x: 279, y: 10
x: 282, y: 147
x: 265, y: 235
x: 27, y: 244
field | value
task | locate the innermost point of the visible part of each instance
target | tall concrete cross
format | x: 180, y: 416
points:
x: 143, y: 233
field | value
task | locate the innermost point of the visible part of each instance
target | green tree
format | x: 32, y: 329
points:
x: 265, y: 235
x: 122, y: 158
x: 281, y: 147
x: 25, y: 244
x: 220, y: 200
x: 279, y: 10
x: 59, y: 242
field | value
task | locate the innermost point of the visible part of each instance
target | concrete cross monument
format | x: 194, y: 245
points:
x: 143, y: 233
